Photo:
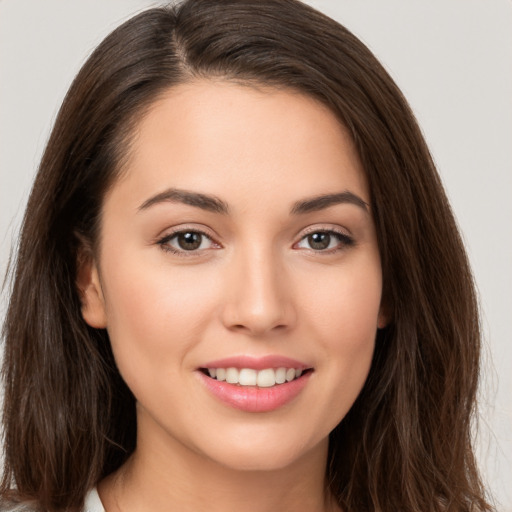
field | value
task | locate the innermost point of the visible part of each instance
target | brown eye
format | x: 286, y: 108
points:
x: 327, y: 241
x: 319, y: 241
x: 189, y: 241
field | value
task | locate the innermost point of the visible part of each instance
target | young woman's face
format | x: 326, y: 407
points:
x: 239, y: 242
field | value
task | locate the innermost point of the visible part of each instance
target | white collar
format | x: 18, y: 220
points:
x: 93, y: 502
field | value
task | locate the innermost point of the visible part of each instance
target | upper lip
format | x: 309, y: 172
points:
x: 256, y: 363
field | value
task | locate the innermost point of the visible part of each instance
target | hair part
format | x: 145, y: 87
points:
x: 69, y: 419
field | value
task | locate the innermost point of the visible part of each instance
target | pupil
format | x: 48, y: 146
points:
x: 319, y: 240
x: 189, y: 241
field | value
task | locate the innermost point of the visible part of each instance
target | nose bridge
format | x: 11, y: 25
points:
x: 258, y: 296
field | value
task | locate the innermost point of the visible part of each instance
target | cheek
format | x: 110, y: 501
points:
x: 343, y: 317
x: 155, y: 315
x: 346, y: 303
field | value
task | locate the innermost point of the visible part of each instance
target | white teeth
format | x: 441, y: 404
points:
x: 232, y: 375
x: 280, y: 375
x: 266, y: 378
x: 249, y: 377
x: 290, y: 374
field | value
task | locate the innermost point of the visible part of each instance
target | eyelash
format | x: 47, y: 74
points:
x: 344, y: 240
x: 164, y: 242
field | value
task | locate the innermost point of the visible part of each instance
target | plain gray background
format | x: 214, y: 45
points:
x: 453, y: 61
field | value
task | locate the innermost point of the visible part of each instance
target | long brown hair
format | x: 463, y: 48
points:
x: 69, y: 419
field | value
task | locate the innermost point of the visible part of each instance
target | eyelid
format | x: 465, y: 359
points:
x: 162, y: 240
x: 324, y: 228
x: 345, y: 238
x: 343, y: 235
x: 180, y: 228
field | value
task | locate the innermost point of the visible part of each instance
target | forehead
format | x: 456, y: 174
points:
x: 222, y: 138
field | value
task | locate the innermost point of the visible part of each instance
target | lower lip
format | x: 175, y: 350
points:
x: 252, y: 398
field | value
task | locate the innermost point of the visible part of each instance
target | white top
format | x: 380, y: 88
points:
x: 93, y: 502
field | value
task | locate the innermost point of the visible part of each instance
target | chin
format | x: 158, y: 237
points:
x: 266, y: 455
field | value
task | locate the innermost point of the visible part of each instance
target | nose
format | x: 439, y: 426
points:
x: 258, y: 294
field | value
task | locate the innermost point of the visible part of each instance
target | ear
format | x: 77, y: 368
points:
x: 89, y: 288
x: 384, y: 317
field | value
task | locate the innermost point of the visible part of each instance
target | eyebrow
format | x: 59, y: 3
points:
x: 214, y: 204
x: 321, y: 202
x: 205, y: 202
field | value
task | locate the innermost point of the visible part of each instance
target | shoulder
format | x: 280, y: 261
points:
x: 92, y: 504
x: 11, y: 506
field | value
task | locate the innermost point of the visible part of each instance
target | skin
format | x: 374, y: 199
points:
x: 254, y: 287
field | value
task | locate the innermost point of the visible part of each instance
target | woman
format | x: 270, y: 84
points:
x: 244, y: 283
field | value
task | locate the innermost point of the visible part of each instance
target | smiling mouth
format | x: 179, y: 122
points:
x: 266, y: 378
